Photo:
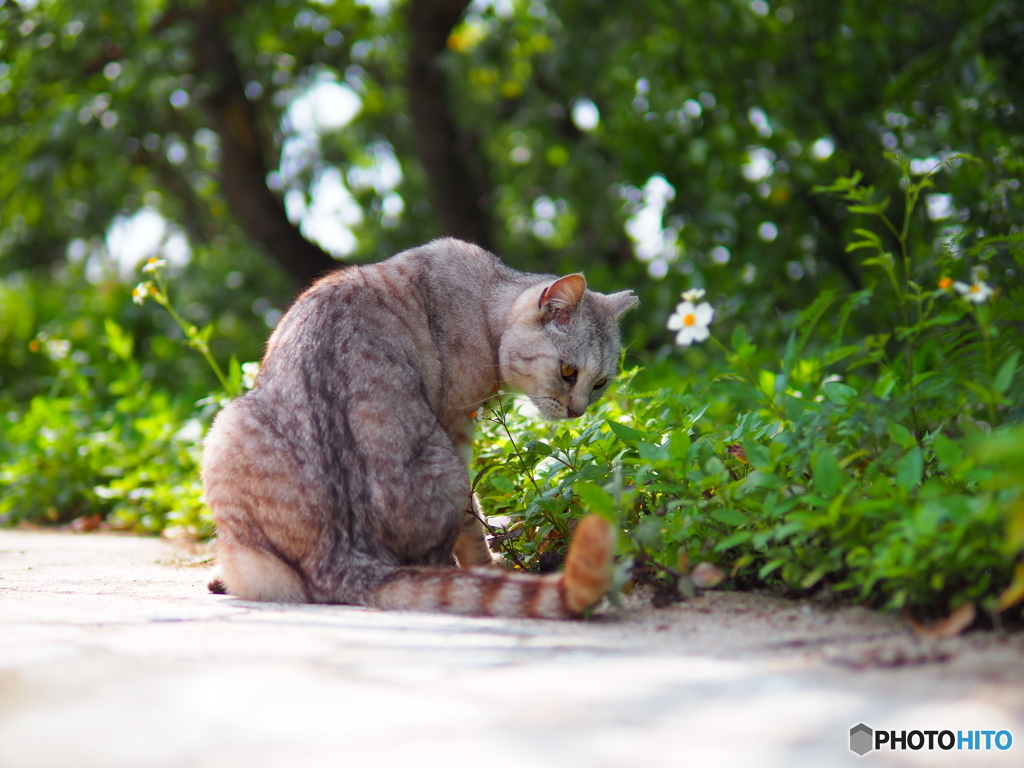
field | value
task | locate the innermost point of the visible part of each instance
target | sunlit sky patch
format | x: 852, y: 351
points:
x: 379, y: 7
x: 654, y: 244
x: 940, y: 206
x: 326, y: 106
x: 922, y: 166
x: 759, y: 164
x: 133, y: 239
x: 503, y: 9
x: 823, y: 148
x: 331, y: 214
x: 326, y: 217
x: 585, y: 115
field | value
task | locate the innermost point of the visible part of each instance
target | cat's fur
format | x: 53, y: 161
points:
x: 341, y: 477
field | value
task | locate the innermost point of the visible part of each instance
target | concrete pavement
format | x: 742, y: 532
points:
x: 113, y: 655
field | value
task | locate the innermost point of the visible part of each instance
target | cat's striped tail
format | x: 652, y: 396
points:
x: 486, y: 592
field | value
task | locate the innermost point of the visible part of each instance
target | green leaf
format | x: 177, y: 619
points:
x: 535, y: 446
x: 234, y: 376
x: 648, y: 533
x: 757, y: 454
x: 813, y: 577
x: 1004, y: 378
x: 596, y: 499
x: 839, y: 393
x: 870, y: 235
x: 679, y: 444
x: 730, y: 516
x: 770, y: 566
x: 650, y: 452
x: 949, y: 453
x: 909, y: 469
x: 759, y: 479
x: 860, y: 245
x: 120, y: 342
x: 900, y: 435
x: 739, y: 339
x: 835, y: 355
x: 828, y: 475
x: 739, y: 537
x: 624, y: 433
x: 502, y: 484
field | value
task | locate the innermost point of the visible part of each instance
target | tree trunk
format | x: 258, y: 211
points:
x: 243, y: 169
x: 459, y: 188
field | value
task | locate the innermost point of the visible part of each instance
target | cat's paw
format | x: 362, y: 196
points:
x: 500, y: 562
x: 588, y: 566
x: 216, y: 584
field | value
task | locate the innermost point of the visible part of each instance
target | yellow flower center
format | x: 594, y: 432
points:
x: 945, y: 283
x: 472, y: 414
x: 690, y: 319
x: 975, y: 288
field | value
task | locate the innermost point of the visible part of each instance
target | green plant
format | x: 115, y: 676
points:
x: 104, y: 443
x: 852, y: 465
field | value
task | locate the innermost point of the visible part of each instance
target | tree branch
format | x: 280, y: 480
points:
x: 243, y: 168
x: 459, y: 188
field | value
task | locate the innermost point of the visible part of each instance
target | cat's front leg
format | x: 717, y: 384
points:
x: 471, y: 549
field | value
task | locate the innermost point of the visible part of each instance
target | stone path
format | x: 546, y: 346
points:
x: 112, y: 655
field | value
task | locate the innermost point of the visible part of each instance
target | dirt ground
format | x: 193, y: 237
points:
x: 113, y: 654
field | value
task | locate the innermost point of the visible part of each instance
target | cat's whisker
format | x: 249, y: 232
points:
x: 504, y: 396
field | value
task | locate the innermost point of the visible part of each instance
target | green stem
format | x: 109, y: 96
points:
x: 190, y: 332
x: 986, y: 344
x: 903, y: 292
x: 515, y: 448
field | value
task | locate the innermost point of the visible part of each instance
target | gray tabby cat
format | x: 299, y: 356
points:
x: 342, y: 476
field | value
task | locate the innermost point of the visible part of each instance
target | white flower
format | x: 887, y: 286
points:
x: 154, y: 264
x: 691, y: 321
x: 57, y: 349
x: 694, y: 294
x: 249, y: 372
x: 977, y: 292
x: 140, y: 293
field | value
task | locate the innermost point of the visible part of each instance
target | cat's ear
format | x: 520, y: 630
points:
x: 620, y: 302
x: 563, y: 296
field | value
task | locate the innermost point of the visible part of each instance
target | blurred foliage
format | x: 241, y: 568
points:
x: 661, y: 145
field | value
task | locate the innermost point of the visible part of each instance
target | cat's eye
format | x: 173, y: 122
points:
x: 568, y: 372
x: 600, y: 383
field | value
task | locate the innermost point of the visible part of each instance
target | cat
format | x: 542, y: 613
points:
x: 341, y: 477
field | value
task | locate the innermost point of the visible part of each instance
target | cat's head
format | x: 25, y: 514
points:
x: 561, y: 346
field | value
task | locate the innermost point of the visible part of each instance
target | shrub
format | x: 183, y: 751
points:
x: 875, y: 467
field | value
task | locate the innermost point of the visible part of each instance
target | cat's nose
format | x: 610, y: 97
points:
x: 573, y: 414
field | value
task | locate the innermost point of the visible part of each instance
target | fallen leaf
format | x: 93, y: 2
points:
x: 951, y: 626
x: 707, y: 576
x: 737, y: 452
x: 86, y: 523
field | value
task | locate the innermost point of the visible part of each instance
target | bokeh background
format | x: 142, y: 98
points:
x: 658, y: 145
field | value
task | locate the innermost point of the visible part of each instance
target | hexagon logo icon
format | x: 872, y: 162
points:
x: 861, y: 739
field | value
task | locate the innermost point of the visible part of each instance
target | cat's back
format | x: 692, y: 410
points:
x: 411, y: 288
